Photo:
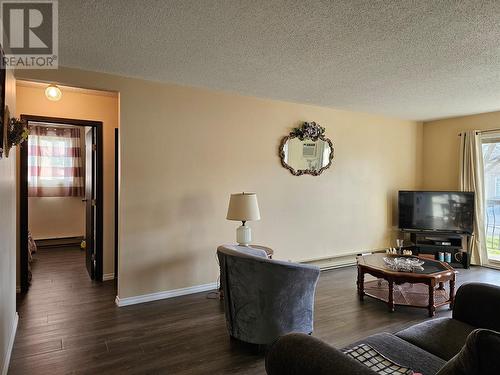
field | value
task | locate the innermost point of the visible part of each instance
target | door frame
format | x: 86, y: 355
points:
x: 117, y: 202
x: 23, y: 195
x: 495, y: 136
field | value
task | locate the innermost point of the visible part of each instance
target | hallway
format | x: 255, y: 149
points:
x: 55, y: 312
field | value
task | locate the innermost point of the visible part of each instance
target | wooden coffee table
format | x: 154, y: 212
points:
x: 434, y: 274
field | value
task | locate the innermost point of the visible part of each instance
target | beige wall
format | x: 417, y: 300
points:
x: 75, y: 104
x: 8, y: 237
x: 184, y: 150
x: 56, y: 217
x: 441, y: 147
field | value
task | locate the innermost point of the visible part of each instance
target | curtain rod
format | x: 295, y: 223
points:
x: 49, y: 125
x: 484, y: 131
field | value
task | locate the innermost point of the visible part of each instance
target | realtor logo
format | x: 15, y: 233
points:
x: 29, y: 34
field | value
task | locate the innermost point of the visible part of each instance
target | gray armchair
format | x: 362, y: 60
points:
x: 263, y: 298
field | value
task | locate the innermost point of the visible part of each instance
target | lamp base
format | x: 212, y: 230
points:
x: 243, y: 235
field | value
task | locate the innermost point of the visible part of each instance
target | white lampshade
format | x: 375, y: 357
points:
x: 243, y: 207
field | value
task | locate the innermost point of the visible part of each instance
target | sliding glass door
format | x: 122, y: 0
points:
x: 491, y: 165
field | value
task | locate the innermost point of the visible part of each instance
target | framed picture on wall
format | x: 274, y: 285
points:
x: 3, y: 129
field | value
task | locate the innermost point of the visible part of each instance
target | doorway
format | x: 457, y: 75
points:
x: 490, y: 144
x: 55, y: 180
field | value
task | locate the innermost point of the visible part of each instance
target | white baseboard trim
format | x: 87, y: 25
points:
x: 10, y: 345
x: 108, y: 276
x: 336, y: 261
x: 164, y: 295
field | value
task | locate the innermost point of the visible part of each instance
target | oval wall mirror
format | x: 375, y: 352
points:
x: 306, y: 150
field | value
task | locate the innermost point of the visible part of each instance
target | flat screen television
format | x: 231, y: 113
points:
x: 443, y: 211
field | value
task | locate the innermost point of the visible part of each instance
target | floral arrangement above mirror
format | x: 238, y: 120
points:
x: 306, y: 150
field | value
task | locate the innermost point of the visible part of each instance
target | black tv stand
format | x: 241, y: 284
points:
x: 430, y: 243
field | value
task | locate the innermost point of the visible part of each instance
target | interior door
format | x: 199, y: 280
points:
x: 90, y: 207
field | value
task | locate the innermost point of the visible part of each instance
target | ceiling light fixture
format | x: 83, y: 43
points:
x: 52, y: 92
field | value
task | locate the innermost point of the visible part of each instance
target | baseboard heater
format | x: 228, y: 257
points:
x: 59, y: 242
x: 338, y: 260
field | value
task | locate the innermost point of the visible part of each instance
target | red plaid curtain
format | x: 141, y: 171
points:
x: 55, y: 166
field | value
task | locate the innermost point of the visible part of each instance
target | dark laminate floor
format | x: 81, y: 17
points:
x: 70, y: 325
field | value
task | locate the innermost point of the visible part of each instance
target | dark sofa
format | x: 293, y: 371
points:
x: 468, y: 343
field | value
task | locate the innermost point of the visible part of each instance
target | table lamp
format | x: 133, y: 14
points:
x: 243, y: 207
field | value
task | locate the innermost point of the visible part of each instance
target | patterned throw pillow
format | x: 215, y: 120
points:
x: 368, y: 356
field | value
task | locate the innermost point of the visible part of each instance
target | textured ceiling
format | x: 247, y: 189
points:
x: 420, y: 60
